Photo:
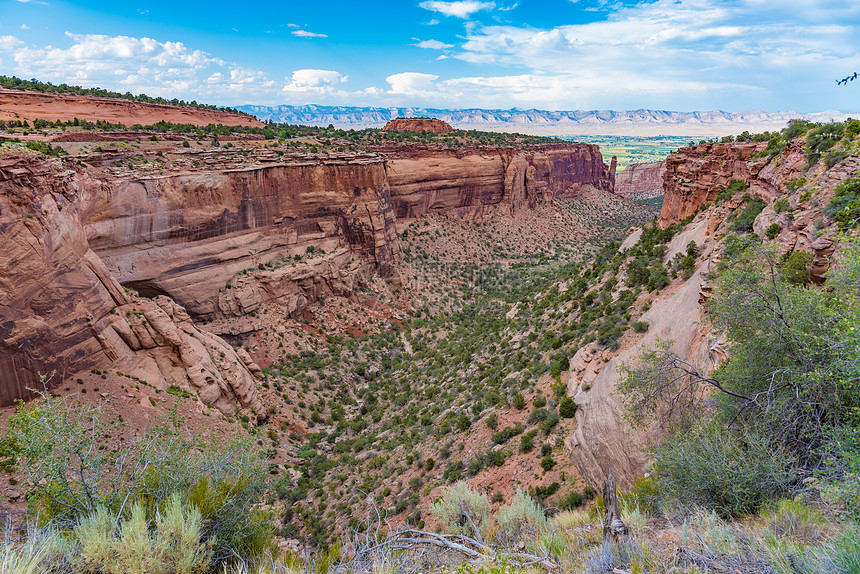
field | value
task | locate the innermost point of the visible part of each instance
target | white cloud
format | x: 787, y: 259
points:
x: 412, y: 84
x: 694, y: 53
x: 313, y: 83
x: 433, y: 44
x: 8, y: 43
x: 140, y: 65
x: 460, y: 9
x: 306, y: 34
x: 24, y: 27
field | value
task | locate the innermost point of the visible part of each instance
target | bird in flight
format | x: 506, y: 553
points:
x: 846, y: 79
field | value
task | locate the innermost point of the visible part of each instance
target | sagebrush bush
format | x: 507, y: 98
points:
x: 456, y: 500
x: 519, y: 519
x: 173, y: 546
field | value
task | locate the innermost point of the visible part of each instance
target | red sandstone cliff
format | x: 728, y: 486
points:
x: 427, y: 125
x: 62, y: 310
x: 603, y: 441
x: 186, y: 235
x: 464, y: 182
x: 640, y: 180
x: 19, y: 104
x: 220, y: 240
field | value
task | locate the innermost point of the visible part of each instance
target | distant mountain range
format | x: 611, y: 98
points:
x: 543, y: 122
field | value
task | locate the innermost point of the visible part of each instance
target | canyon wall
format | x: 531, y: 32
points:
x: 640, y: 180
x: 465, y: 182
x: 603, y: 440
x: 20, y: 105
x: 107, y: 265
x: 186, y: 235
x: 61, y: 310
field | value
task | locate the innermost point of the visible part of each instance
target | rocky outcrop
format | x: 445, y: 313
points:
x: 62, y: 311
x: 695, y: 175
x: 427, y: 125
x: 465, y: 182
x: 186, y: 235
x: 604, y: 440
x: 19, y: 104
x: 640, y: 180
x: 292, y: 287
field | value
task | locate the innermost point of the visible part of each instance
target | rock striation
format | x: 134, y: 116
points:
x: 426, y: 125
x: 604, y: 441
x: 20, y: 104
x: 640, y: 180
x: 62, y: 311
x: 187, y: 235
x: 108, y: 265
x: 466, y: 182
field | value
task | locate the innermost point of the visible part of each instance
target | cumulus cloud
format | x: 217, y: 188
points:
x: 306, y: 34
x: 140, y: 65
x: 433, y: 44
x: 8, y: 43
x: 460, y: 9
x: 309, y: 83
x: 696, y: 53
x: 412, y: 84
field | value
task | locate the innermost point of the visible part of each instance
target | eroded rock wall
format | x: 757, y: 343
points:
x: 640, y: 180
x: 465, y: 182
x: 186, y: 235
x: 62, y: 311
x: 695, y: 175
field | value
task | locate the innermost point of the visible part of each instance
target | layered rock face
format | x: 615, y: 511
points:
x: 63, y: 311
x: 187, y: 235
x: 19, y: 104
x: 465, y: 182
x: 640, y: 180
x: 427, y: 125
x: 217, y: 243
x: 604, y: 441
x: 695, y: 175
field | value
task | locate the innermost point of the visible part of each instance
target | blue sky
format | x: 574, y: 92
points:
x: 682, y: 55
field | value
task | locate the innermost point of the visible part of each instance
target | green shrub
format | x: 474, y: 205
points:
x: 724, y: 193
x: 640, y: 326
x: 645, y: 495
x: 797, y: 128
x: 520, y: 520
x: 773, y: 230
x: 456, y: 500
x: 518, y: 402
x: 74, y: 477
x: 797, y: 268
x: 845, y: 205
x: 507, y: 433
x: 573, y: 499
x: 821, y: 139
x: 173, y: 547
x: 527, y: 442
x: 746, y: 218
x: 724, y: 471
x: 567, y: 408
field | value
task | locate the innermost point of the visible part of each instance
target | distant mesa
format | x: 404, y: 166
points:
x: 418, y: 125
